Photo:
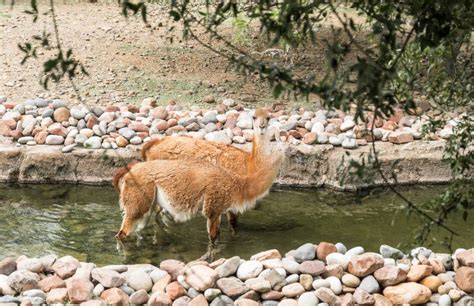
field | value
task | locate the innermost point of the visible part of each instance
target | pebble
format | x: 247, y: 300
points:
x: 93, y: 142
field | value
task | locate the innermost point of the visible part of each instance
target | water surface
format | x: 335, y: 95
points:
x: 82, y: 221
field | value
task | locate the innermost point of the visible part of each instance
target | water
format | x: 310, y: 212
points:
x: 82, y: 221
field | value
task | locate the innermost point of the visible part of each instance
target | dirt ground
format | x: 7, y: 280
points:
x: 128, y: 61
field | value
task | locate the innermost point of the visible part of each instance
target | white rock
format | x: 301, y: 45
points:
x: 338, y: 258
x: 249, y: 269
x: 335, y: 284
x: 308, y: 299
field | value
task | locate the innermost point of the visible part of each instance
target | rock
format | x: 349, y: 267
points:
x: 174, y: 290
x: 292, y: 290
x: 444, y: 300
x: 365, y: 264
x: 61, y: 114
x: 219, y: 136
x: 269, y: 254
x: 245, y: 302
x: 115, y: 296
x: 51, y: 282
x: 335, y: 284
x: 369, y: 284
x: 464, y: 279
x: 249, y: 269
x: 290, y: 265
x: 390, y: 252
x: 347, y: 125
x: 399, y: 137
x: 310, y: 138
x: 258, y: 284
x: 98, y: 289
x: 108, y: 278
x: 78, y: 113
x: 69, y: 148
x: 390, y: 275
x: 139, y: 297
x: 418, y: 272
x: 22, y: 280
x: 349, y: 143
x: 334, y: 270
x: 57, y: 296
x: 308, y: 299
x: 245, y: 121
x: 212, y: 293
x: 324, y: 249
x: 139, y: 280
x: 9, y: 300
x: 327, y: 296
x: 159, y: 299
x: 222, y: 301
x: 54, y: 140
x: 273, y: 276
x: 229, y: 267
x: 199, y: 300
x: 446, y: 133
x: 380, y: 300
x: 208, y: 99
x: 306, y: 281
x: 79, y: 290
x: 305, y: 252
x: 407, y: 293
x: 432, y: 282
x: 362, y: 297
x: 173, y: 267
x: 201, y: 277
x: 350, y: 280
x: 7, y: 266
x: 232, y: 286
x: 338, y: 259
x: 312, y: 267
x: 355, y: 251
x: 466, y: 258
x: 93, y: 142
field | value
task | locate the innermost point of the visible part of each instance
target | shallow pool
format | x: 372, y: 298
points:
x: 82, y: 221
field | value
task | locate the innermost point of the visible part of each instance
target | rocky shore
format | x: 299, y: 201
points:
x: 54, y: 122
x: 323, y: 274
x: 51, y: 141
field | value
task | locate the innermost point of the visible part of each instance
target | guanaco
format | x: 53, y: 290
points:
x: 228, y: 157
x: 182, y: 188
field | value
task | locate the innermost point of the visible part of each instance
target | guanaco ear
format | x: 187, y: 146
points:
x: 262, y: 113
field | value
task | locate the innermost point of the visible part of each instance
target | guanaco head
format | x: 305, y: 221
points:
x: 260, y: 124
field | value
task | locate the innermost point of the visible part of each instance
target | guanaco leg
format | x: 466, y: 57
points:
x: 213, y: 225
x: 232, y: 218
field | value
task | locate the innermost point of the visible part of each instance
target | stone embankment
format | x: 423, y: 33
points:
x: 324, y: 274
x: 49, y: 141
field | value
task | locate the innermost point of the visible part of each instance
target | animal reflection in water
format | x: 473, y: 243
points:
x: 182, y: 186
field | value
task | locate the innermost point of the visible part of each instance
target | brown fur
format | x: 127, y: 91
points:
x: 120, y: 173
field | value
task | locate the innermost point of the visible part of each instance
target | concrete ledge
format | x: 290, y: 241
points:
x: 417, y: 162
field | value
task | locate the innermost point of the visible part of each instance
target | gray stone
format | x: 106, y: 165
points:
x: 355, y: 251
x: 229, y: 267
x: 139, y: 280
x: 127, y: 133
x: 249, y: 269
x: 222, y: 300
x: 444, y: 300
x: 7, y: 266
x: 421, y: 251
x: 54, y: 140
x: 341, y: 248
x: 48, y: 113
x: 212, y: 293
x: 139, y: 297
x: 290, y: 265
x: 136, y: 140
x: 68, y: 148
x: 289, y: 125
x: 245, y: 121
x: 12, y: 115
x: 77, y: 113
x: 308, y: 299
x: 370, y: 284
x: 98, y: 289
x: 349, y: 143
x: 218, y: 136
x: 25, y: 139
x: 58, y: 103
x: 390, y: 252
x: 157, y: 274
x: 305, y: 252
x: 209, y: 117
x: 34, y: 293
x: 94, y: 142
x: 22, y: 280
x: 9, y: 299
x: 108, y: 278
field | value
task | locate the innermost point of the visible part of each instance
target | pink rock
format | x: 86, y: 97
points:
x: 466, y: 258
x: 418, y: 272
x: 57, y: 296
x: 173, y: 267
x: 200, y: 300
x: 61, y: 114
x: 270, y: 254
x: 160, y: 113
x: 310, y: 138
x: 390, y: 275
x: 362, y: 297
x: 115, y: 296
x: 201, y: 277
x: 65, y: 266
x: 407, y: 293
x: 40, y: 138
x: 324, y: 249
x: 159, y: 299
x: 138, y: 127
x: 51, y: 282
x: 312, y: 267
x: 293, y: 290
x: 232, y: 286
x: 57, y: 129
x: 174, y: 290
x: 365, y: 264
x: 79, y: 289
x: 400, y: 137
x: 465, y: 279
